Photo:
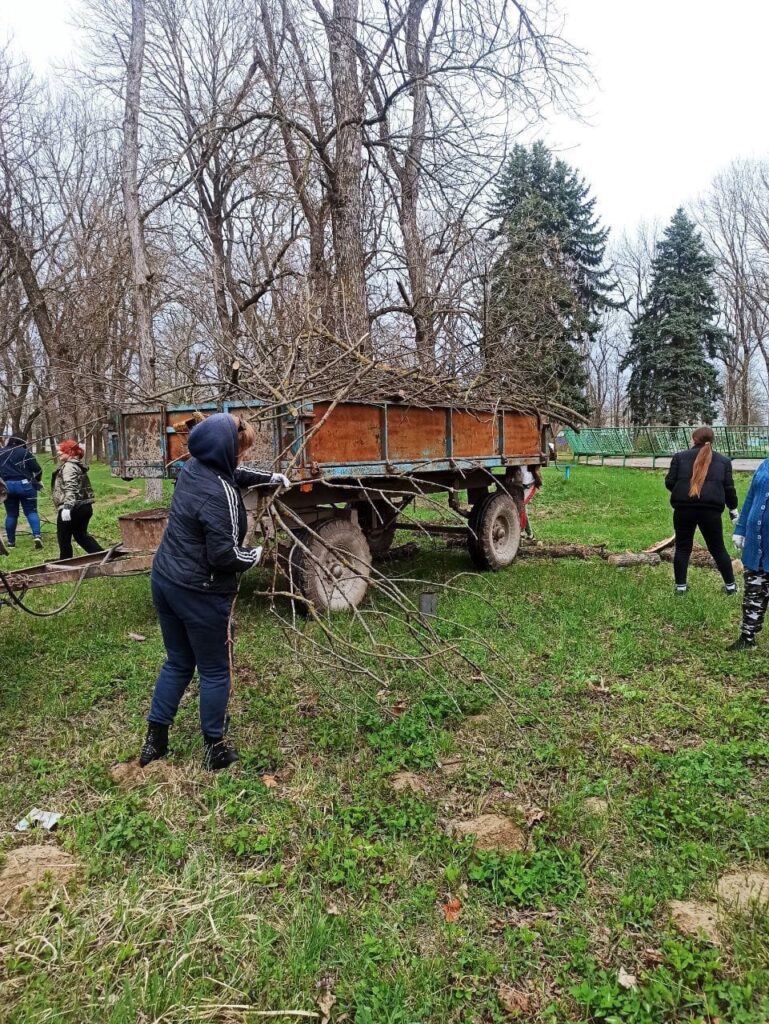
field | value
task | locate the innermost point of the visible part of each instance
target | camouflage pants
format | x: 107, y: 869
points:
x: 754, y: 602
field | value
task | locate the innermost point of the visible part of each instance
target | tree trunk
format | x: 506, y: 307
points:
x: 417, y: 64
x: 346, y: 198
x: 58, y: 356
x: 140, y: 271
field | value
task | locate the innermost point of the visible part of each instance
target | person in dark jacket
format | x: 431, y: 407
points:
x: 751, y: 538
x: 195, y: 575
x: 22, y: 476
x: 701, y: 485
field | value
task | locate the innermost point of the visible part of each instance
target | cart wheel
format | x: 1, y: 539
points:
x: 333, y: 573
x: 379, y: 521
x: 495, y: 532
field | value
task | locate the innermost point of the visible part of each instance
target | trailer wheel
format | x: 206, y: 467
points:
x: 495, y: 532
x: 379, y: 521
x: 331, y: 566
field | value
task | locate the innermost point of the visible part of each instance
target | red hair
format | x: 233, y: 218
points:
x: 71, y: 449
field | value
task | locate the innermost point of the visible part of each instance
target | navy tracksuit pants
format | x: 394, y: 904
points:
x: 195, y: 628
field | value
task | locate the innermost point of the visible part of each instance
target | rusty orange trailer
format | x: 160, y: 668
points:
x: 355, y: 467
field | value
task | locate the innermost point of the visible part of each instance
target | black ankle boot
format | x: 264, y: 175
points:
x: 219, y: 753
x: 742, y: 644
x: 155, y: 745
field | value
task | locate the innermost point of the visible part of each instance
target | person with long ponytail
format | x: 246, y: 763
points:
x: 701, y: 485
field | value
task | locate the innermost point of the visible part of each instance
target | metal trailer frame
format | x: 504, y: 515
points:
x: 295, y: 428
x: 342, y: 511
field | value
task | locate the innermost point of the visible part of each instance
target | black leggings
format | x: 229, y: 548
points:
x: 686, y: 519
x: 77, y: 527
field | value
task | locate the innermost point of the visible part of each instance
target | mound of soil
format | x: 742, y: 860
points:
x: 597, y: 807
x: 492, y: 832
x: 130, y: 774
x: 26, y: 866
x: 408, y: 782
x: 696, y: 919
x: 740, y: 890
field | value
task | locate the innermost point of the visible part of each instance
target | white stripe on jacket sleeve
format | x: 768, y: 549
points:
x: 247, y: 557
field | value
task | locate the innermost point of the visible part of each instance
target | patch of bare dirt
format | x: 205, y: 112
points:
x: 130, y: 774
x: 740, y: 890
x: 492, y: 832
x: 596, y: 806
x: 26, y: 866
x: 696, y: 919
x: 408, y: 782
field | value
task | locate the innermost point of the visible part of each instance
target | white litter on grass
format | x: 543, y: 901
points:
x: 46, y: 819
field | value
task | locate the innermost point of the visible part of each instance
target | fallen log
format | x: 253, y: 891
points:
x: 700, y: 558
x: 583, y: 551
x: 632, y: 558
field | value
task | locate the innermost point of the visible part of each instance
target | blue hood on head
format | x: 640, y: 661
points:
x: 214, y: 442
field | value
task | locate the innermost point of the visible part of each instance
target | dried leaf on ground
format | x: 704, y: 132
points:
x: 533, y: 814
x: 513, y: 1001
x: 326, y: 1002
x: 451, y: 910
x: 625, y: 979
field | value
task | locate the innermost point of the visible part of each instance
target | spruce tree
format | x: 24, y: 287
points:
x: 547, y: 285
x: 672, y: 379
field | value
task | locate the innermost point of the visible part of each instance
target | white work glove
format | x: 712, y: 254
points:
x: 734, y: 513
x: 739, y: 541
x: 258, y: 552
x: 66, y: 515
x: 279, y: 480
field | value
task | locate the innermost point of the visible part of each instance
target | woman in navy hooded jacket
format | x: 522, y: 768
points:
x: 195, y: 577
x: 751, y: 538
x: 22, y: 476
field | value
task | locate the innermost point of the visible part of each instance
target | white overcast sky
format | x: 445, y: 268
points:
x: 681, y: 90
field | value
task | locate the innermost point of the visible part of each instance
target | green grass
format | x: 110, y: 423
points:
x: 198, y: 895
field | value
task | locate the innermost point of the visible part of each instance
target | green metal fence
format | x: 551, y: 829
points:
x: 662, y: 442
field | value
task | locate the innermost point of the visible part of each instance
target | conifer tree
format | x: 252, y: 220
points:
x: 548, y: 285
x: 673, y: 380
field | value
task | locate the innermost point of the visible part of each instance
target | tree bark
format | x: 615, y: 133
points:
x: 346, y: 186
x: 140, y: 271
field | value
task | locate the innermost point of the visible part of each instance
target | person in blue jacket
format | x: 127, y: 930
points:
x: 195, y: 576
x: 22, y: 476
x: 751, y: 538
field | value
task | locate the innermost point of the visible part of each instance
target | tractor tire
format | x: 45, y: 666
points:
x: 331, y: 566
x: 494, y: 533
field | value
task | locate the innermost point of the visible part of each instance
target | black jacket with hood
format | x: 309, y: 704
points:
x: 202, y: 548
x: 718, y: 489
x: 18, y: 463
